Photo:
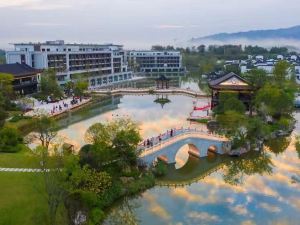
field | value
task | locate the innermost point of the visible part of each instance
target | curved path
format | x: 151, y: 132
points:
x: 151, y: 90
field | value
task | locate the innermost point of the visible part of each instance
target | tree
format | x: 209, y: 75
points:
x: 90, y: 180
x: 233, y: 123
x: 257, y: 78
x: 279, y: 50
x: 55, y: 179
x: 256, y: 163
x: 120, y: 138
x: 201, y: 49
x: 6, y: 84
x: 49, y: 85
x: 273, y: 101
x: 10, y: 140
x: 3, y: 113
x: 281, y: 72
x: 233, y: 68
x: 157, y: 48
x: 46, y: 130
x: 81, y: 84
x: 229, y: 101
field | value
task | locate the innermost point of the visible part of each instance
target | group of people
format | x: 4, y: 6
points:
x: 150, y: 142
x: 64, y: 106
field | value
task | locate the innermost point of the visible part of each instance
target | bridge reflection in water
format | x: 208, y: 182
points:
x: 194, y: 170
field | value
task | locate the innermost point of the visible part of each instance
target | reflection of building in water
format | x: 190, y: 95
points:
x: 162, y: 82
x: 231, y: 83
x: 94, y: 109
x: 162, y: 100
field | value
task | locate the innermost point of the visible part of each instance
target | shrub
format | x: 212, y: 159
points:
x: 17, y: 118
x: 160, y: 169
x: 96, y: 215
x: 10, y: 140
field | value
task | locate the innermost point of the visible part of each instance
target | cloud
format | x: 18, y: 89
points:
x: 155, y: 208
x: 248, y: 222
x: 270, y: 208
x: 240, y: 210
x: 186, y: 195
x: 34, y: 4
x: 44, y: 24
x: 203, y: 216
x: 168, y: 26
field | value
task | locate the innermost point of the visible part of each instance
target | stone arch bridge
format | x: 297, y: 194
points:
x: 200, y: 144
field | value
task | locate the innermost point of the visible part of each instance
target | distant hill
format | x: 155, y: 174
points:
x: 292, y: 33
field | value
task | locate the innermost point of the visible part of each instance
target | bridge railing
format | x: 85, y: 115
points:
x: 178, y: 134
x: 145, y: 90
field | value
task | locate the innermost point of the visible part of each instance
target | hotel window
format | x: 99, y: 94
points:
x: 99, y: 81
x: 104, y: 80
x: 110, y: 79
x: 93, y: 82
x: 115, y: 78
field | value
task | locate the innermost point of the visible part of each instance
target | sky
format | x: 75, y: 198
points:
x: 138, y: 23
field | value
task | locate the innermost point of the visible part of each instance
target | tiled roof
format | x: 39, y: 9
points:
x: 18, y: 70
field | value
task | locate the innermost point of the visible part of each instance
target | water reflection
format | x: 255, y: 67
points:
x: 255, y: 189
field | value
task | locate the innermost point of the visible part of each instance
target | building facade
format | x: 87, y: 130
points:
x: 102, y: 64
x: 156, y: 62
x: 26, y: 79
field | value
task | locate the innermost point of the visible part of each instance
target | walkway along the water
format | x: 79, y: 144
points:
x: 150, y: 90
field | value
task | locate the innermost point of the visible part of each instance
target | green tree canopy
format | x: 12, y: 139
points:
x: 256, y: 77
x: 229, y: 101
x: 281, y: 72
x: 49, y: 85
x: 273, y: 101
x: 118, y: 138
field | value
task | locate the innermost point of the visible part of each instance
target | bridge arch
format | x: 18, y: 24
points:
x: 183, y: 154
x: 198, y: 144
x: 162, y: 158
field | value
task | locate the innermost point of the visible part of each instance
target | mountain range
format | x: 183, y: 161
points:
x: 291, y: 33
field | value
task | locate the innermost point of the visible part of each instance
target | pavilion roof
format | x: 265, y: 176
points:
x: 162, y: 78
x: 230, y: 81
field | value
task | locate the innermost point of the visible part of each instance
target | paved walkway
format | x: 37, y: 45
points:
x: 25, y: 170
x: 56, y: 108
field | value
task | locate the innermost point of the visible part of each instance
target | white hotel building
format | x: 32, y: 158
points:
x: 104, y: 64
x: 156, y: 62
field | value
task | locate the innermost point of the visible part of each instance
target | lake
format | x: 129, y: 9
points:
x: 258, y: 188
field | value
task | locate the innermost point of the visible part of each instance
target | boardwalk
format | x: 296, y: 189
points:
x: 150, y: 90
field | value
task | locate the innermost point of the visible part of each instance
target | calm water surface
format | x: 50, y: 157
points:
x: 256, y: 189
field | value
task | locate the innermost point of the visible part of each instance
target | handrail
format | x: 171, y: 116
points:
x: 177, y: 137
x: 146, y: 90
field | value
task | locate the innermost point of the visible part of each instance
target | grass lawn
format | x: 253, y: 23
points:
x: 23, y: 199
x: 22, y: 159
